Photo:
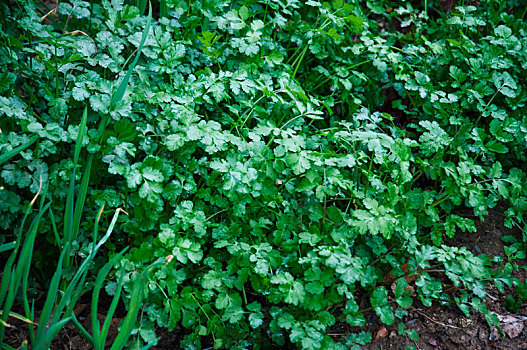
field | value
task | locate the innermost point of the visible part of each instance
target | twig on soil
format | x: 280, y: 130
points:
x: 435, y: 321
x: 492, y: 297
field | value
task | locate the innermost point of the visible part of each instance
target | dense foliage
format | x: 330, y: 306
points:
x: 294, y: 157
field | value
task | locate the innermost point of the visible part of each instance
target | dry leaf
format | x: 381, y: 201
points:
x: 389, y: 278
x: 512, y: 326
x: 381, y: 333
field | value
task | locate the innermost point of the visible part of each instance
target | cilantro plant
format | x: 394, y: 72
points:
x: 300, y: 160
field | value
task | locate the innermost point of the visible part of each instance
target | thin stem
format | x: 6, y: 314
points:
x: 439, y: 201
x: 265, y: 12
x: 300, y: 61
x: 348, y: 68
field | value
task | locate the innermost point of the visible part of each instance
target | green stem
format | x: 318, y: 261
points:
x: 439, y: 201
x: 299, y: 61
x: 244, y: 295
x: 265, y: 12
x: 56, y: 72
x: 348, y: 68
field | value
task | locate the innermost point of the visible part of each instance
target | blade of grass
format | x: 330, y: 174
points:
x: 81, y: 197
x: 141, y: 4
x: 121, y: 89
x: 8, y: 347
x: 50, y: 334
x: 69, y: 210
x: 80, y: 136
x: 103, y: 273
x: 54, y: 227
x: 16, y: 276
x: 9, y: 154
x: 82, y: 330
x: 51, y: 297
x: 163, y: 9
x: 7, y: 246
x: 111, y: 310
x: 82, y: 270
x: 4, y: 285
x: 25, y: 278
x: 72, y: 292
x: 18, y: 316
x: 135, y: 305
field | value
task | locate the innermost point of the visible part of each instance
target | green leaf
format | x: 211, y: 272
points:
x: 434, y: 138
x: 402, y: 295
x: 244, y: 12
x: 211, y: 280
x: 504, y: 83
x: 274, y: 57
x: 233, y: 313
x: 186, y: 250
x: 295, y: 293
x: 496, y: 146
x: 379, y: 296
x: 256, y: 319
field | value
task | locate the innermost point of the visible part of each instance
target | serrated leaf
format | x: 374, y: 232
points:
x: 295, y: 293
x: 256, y: 319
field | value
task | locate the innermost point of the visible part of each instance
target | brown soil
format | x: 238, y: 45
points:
x: 439, y: 327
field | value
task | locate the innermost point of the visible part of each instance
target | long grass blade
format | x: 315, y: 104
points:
x: 68, y: 297
x: 19, y: 317
x: 135, y: 305
x: 69, y: 228
x: 141, y: 4
x: 7, y: 273
x: 72, y: 292
x: 51, y: 296
x: 80, y: 135
x: 9, y: 154
x: 54, y: 227
x: 81, y: 199
x: 71, y: 295
x: 121, y: 89
x: 24, y: 260
x: 113, y: 305
x: 51, y: 334
x: 7, y: 246
x: 163, y: 9
x: 9, y: 347
x: 25, y: 277
x: 103, y: 273
x: 85, y: 334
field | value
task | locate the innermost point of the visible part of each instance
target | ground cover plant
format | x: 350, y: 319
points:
x: 295, y: 164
